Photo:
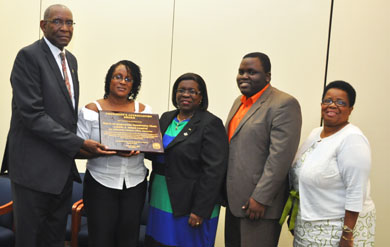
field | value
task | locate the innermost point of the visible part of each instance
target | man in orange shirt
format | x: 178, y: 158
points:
x: 264, y: 126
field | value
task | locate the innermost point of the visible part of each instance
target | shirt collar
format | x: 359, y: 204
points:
x: 253, y: 98
x: 54, y: 49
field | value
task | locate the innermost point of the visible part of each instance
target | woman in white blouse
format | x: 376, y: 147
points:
x: 114, y: 186
x: 331, y: 173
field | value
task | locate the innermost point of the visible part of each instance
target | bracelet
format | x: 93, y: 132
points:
x: 347, y: 229
x: 348, y: 239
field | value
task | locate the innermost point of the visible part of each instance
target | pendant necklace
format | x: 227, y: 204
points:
x: 181, y: 120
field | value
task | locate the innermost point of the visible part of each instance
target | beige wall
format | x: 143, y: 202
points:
x: 209, y: 38
x: 359, y: 54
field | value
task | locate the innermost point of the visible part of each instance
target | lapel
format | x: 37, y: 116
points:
x: 187, y: 131
x: 166, y: 120
x: 233, y: 110
x: 54, y: 67
x: 254, y: 108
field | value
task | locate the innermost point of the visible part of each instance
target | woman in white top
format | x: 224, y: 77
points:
x: 114, y: 186
x: 331, y: 173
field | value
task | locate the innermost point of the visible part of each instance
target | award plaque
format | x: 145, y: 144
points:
x: 126, y: 131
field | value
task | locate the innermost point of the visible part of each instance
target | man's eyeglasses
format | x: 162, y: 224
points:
x: 338, y: 102
x: 190, y: 91
x: 60, y: 23
x: 119, y: 78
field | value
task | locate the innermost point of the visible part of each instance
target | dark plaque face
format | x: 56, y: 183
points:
x: 126, y: 131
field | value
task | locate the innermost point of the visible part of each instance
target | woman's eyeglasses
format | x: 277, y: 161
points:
x: 190, y: 91
x: 338, y: 102
x: 119, y: 78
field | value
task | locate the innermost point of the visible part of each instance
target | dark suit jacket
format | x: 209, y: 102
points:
x: 41, y: 142
x: 196, y: 162
x: 261, y: 151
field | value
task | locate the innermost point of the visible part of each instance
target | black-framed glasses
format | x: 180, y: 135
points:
x: 60, y: 23
x: 190, y: 91
x: 119, y: 78
x: 338, y: 102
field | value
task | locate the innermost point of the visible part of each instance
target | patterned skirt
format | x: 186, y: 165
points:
x: 327, y: 233
x: 164, y: 229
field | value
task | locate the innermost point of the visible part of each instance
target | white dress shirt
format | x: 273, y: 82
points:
x: 111, y: 171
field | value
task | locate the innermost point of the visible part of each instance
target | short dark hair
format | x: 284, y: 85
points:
x: 202, y: 87
x: 264, y: 59
x: 48, y: 10
x: 135, y: 73
x: 346, y: 87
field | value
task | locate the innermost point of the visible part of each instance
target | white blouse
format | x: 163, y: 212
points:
x: 111, y: 171
x: 332, y: 174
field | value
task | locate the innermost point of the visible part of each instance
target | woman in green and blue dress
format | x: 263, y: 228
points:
x: 187, y: 180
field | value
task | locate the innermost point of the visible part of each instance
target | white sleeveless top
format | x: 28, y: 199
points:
x: 111, y: 171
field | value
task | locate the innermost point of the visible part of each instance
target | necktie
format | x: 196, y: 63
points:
x: 62, y: 55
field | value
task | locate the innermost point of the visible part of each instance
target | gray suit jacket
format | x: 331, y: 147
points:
x: 261, y: 151
x: 41, y: 142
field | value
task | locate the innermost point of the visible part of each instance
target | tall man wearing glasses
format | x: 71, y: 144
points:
x: 42, y: 143
x: 264, y: 126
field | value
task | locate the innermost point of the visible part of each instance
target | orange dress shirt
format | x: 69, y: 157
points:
x: 246, y: 104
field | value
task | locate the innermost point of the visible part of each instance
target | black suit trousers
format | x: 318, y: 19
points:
x: 40, y: 218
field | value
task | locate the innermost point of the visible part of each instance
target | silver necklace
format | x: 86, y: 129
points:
x: 181, y: 120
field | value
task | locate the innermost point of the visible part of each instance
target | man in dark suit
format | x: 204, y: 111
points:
x: 42, y: 143
x: 264, y: 126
